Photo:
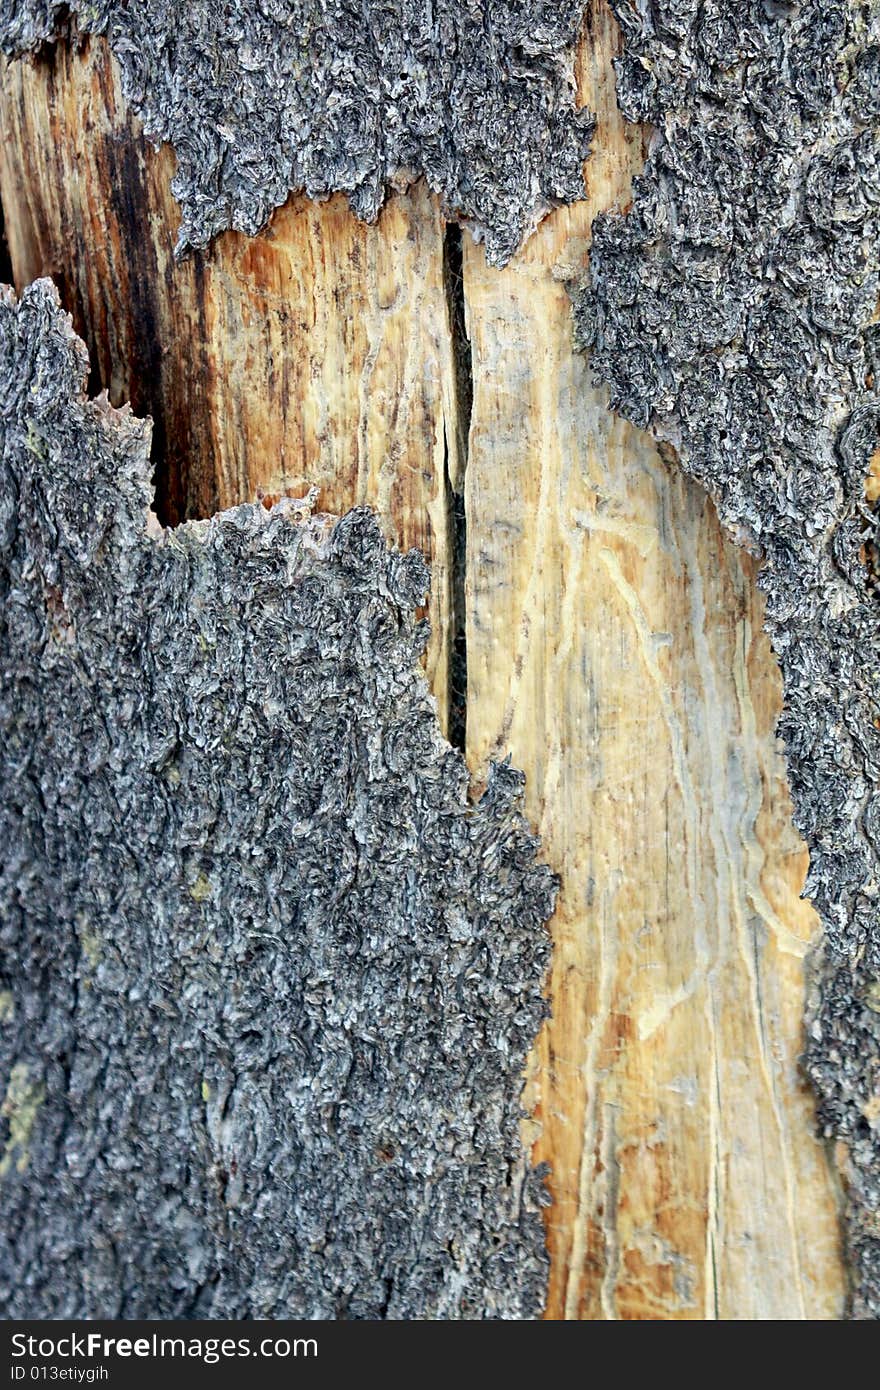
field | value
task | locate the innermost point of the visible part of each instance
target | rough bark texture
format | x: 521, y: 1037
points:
x: 259, y: 99
x: 615, y: 649
x: 612, y: 642
x: 730, y: 310
x: 271, y: 979
x: 318, y: 354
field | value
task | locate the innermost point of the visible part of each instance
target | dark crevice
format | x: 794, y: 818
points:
x: 386, y: 1301
x: 112, y: 286
x: 5, y: 260
x: 457, y: 521
x: 456, y: 516
x: 141, y: 371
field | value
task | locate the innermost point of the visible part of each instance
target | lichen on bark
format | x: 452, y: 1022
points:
x: 263, y: 97
x: 733, y: 310
x: 268, y: 977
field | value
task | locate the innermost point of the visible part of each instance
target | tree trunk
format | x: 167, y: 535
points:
x: 588, y: 616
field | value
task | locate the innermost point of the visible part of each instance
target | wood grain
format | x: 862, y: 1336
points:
x: 614, y: 646
x: 615, y: 649
x: 318, y: 353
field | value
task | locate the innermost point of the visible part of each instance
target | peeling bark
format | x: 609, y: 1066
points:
x: 262, y: 99
x: 316, y: 355
x: 732, y: 310
x: 269, y: 978
x: 723, y: 314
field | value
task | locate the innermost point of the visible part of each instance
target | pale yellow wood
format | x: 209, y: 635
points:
x: 319, y: 353
x: 615, y: 649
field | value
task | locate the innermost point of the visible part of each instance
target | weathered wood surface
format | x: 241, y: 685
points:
x: 613, y: 640
x: 319, y: 353
x: 615, y: 648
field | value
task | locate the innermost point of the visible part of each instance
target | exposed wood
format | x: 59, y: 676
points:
x: 615, y: 649
x: 319, y: 353
x: 613, y: 640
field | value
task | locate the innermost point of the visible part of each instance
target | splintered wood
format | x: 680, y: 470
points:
x: 614, y: 648
x: 318, y: 354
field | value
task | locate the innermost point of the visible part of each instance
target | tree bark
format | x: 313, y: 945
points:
x: 588, y: 615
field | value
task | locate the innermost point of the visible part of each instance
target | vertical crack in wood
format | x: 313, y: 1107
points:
x: 5, y: 262
x: 462, y: 354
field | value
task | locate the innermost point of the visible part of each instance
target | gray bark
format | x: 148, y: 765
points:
x: 259, y: 99
x: 730, y: 310
x: 269, y: 979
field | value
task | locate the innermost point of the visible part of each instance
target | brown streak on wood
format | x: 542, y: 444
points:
x: 615, y: 647
x: 319, y: 353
